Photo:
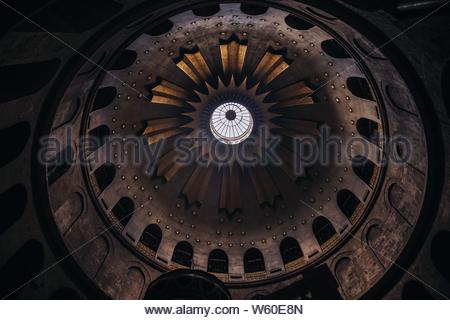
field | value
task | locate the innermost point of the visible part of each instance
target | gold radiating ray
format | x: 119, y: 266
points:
x: 233, y: 58
x: 166, y: 88
x: 154, y: 126
x: 195, y: 67
x: 165, y: 135
x: 296, y: 94
x: 162, y: 129
x: 270, y: 67
x: 168, y: 167
x: 170, y: 94
x: 168, y: 101
x: 296, y: 90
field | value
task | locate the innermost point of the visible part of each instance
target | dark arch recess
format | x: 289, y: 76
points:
x: 99, y: 137
x: 123, y: 210
x: 105, y: 175
x: 323, y: 230
x: 254, y: 261
x: 363, y: 168
x: 347, y: 202
x: 297, y: 23
x: 253, y: 9
x: 360, y: 87
x: 126, y: 59
x: 161, y: 28
x: 290, y: 250
x: 369, y: 130
x: 334, y: 49
x: 207, y: 11
x: 183, y: 254
x: 218, y: 261
x: 105, y: 96
x: 151, y: 237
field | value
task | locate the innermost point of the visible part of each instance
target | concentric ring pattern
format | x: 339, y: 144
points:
x: 288, y: 75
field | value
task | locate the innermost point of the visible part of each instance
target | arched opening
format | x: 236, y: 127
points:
x: 364, y: 169
x: 290, y: 250
x: 123, y: 210
x: 297, y: 23
x: 347, y: 202
x: 323, y: 230
x: 254, y: 261
x: 161, y: 28
x: 105, y: 96
x: 207, y: 11
x: 253, y: 9
x: 99, y: 136
x: 183, y: 254
x: 369, y: 130
x: 105, y: 175
x: 151, y: 237
x: 334, y: 49
x: 360, y: 88
x: 218, y: 262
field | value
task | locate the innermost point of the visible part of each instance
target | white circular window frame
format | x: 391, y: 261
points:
x: 234, y: 131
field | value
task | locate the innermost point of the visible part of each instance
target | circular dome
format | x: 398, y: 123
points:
x: 296, y: 73
x: 231, y: 123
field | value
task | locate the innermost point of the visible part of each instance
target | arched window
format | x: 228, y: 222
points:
x: 105, y: 175
x: 99, y: 137
x: 323, y: 230
x: 369, y: 130
x: 151, y: 237
x: 218, y: 262
x: 360, y: 87
x: 253, y: 261
x: 347, y: 202
x: 290, y: 250
x: 183, y: 254
x: 123, y: 210
x: 363, y: 168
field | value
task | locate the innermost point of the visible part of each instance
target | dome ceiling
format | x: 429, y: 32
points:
x: 227, y: 85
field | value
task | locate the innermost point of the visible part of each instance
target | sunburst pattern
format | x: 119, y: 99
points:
x: 211, y: 88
